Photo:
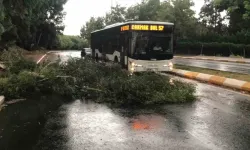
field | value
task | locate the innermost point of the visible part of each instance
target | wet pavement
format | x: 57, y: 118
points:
x: 216, y: 65
x: 21, y: 123
x: 219, y: 119
x: 62, y: 55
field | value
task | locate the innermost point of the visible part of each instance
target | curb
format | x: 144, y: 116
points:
x: 222, y: 60
x: 217, y: 80
x: 1, y: 100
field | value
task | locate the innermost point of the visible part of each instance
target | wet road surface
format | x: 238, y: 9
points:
x: 220, y: 119
x: 216, y: 65
x: 62, y: 55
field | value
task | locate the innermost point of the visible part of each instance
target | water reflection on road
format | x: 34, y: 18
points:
x: 95, y: 126
x: 220, y: 119
x: 205, y: 124
x: 216, y: 65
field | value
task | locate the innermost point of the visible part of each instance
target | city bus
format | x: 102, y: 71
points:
x: 137, y: 45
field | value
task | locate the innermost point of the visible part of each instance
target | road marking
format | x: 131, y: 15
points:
x: 41, y: 58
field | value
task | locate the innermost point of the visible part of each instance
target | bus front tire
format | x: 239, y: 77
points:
x: 116, y: 59
x: 96, y: 57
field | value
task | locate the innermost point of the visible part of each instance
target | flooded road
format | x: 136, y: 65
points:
x: 218, y: 120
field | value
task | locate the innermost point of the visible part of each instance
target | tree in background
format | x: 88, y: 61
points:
x: 66, y: 42
x: 176, y: 11
x: 90, y: 26
x: 1, y: 18
x: 180, y: 13
x: 210, y: 17
x: 144, y: 11
x: 32, y: 23
x: 237, y: 12
x: 117, y: 14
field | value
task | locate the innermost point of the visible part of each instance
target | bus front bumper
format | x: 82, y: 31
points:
x: 154, y: 68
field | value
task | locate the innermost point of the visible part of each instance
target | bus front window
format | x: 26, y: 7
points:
x: 148, y: 44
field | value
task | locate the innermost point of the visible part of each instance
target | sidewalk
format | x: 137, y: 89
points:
x: 214, y: 58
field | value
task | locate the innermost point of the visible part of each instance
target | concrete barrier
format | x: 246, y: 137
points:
x: 218, y: 80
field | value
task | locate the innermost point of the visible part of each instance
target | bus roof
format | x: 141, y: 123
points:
x: 134, y: 22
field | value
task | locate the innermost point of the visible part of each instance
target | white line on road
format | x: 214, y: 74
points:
x: 41, y: 59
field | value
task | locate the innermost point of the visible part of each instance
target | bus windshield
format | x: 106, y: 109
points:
x: 149, y: 45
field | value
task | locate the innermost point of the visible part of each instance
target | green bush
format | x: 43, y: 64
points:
x: 146, y: 89
x: 20, y: 65
x: 18, y: 85
x: 15, y: 62
x: 212, y: 49
x: 66, y: 42
x: 113, y: 85
x: 102, y: 82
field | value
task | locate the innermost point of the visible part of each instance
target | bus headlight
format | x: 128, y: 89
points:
x: 170, y: 64
x: 133, y: 64
x: 136, y: 65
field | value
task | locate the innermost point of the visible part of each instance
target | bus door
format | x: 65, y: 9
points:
x: 124, y: 45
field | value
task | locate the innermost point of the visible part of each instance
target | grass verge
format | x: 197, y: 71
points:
x: 84, y: 78
x: 232, y: 75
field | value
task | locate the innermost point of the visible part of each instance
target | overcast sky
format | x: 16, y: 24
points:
x: 80, y: 11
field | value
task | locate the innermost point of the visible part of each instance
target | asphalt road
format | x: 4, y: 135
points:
x: 216, y: 65
x: 219, y: 119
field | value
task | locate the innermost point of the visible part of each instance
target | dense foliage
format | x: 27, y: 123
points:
x: 213, y: 49
x: 31, y: 23
x: 83, y: 78
x: 176, y: 11
x: 66, y: 42
x: 219, y: 21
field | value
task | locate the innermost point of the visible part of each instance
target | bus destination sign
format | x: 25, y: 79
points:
x: 143, y: 27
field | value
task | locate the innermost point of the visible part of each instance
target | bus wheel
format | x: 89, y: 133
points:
x: 116, y: 59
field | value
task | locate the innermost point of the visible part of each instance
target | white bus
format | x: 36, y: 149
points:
x: 137, y: 45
